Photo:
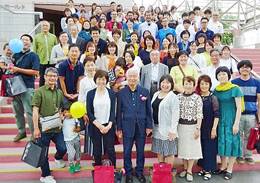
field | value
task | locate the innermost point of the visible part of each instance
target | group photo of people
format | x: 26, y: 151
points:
x: 140, y: 73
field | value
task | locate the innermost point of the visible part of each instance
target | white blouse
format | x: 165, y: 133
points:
x: 102, y: 106
x: 200, y: 61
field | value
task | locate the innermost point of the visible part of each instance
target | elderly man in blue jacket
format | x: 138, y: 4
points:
x: 134, y: 122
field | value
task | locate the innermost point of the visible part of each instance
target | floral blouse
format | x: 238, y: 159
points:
x: 191, y: 106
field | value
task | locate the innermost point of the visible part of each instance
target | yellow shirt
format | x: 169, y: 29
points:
x: 207, y: 57
x: 178, y: 76
x: 136, y: 49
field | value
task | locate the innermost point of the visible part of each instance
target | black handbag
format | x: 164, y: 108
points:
x: 34, y: 155
x: 14, y: 86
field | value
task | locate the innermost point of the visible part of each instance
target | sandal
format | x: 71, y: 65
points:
x: 228, y: 176
x: 201, y: 173
x: 207, y: 176
x: 189, y: 177
x: 183, y: 173
x: 219, y: 171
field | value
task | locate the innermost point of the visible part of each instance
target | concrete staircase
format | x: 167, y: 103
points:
x: 249, y: 54
x: 12, y: 168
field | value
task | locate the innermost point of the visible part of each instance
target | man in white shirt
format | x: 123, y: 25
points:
x: 74, y: 37
x: 211, y: 70
x: 185, y: 26
x: 198, y: 17
x: 148, y: 25
x: 215, y: 25
x: 152, y: 73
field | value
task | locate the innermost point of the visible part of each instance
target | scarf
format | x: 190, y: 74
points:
x: 228, y: 86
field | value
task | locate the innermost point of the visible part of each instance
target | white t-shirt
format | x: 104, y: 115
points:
x: 102, y: 106
x: 138, y: 62
x: 67, y: 128
x: 229, y: 63
x: 199, y: 59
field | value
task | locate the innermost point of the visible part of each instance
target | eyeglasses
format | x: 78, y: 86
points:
x: 52, y: 76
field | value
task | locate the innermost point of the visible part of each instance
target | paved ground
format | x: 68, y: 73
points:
x: 239, y: 177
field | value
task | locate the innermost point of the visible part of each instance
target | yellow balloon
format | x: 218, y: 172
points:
x: 77, y: 109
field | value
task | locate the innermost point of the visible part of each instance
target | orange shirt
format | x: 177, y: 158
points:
x: 81, y: 20
x: 112, y: 62
x: 163, y: 54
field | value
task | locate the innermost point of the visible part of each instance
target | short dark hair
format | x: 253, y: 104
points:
x: 73, y: 45
x: 131, y: 53
x: 148, y: 11
x: 196, y: 8
x: 194, y: 42
x: 168, y: 78
x: 101, y: 74
x: 112, y: 44
x: 223, y: 69
x: 63, y: 32
x: 27, y: 35
x: 166, y: 13
x: 216, y: 35
x: 131, y: 20
x: 204, y: 18
x: 191, y: 13
x: 185, y: 14
x: 51, y: 69
x: 210, y: 43
x: 187, y: 21
x: 205, y: 78
x: 185, y: 32
x: 67, y: 19
x: 88, y: 59
x: 92, y: 17
x: 207, y: 11
x: 189, y: 79
x: 112, y: 3
x: 120, y: 62
x: 5, y: 45
x: 134, y: 33
x: 95, y: 28
x: 67, y: 9
x: 66, y: 106
x: 173, y: 7
x: 141, y: 7
x: 147, y: 31
x: 82, y: 5
x: 128, y: 45
x: 244, y: 63
x: 100, y: 20
x: 151, y: 38
x: 182, y: 52
x: 129, y: 12
x: 75, y: 16
x: 116, y: 31
x: 83, y: 11
x: 202, y: 35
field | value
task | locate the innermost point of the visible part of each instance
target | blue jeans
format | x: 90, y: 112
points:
x: 44, y: 141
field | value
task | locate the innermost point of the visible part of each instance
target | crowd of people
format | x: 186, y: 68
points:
x: 141, y: 73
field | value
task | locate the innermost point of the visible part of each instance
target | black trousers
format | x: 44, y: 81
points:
x: 109, y: 145
x: 42, y: 71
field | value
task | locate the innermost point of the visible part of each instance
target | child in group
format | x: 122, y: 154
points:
x: 71, y: 129
x: 5, y: 60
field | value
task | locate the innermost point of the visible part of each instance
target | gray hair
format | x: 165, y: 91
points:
x: 132, y: 70
x: 215, y: 49
x: 51, y: 69
x: 73, y: 26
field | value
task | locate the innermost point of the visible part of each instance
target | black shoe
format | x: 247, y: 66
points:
x: 129, y: 179
x: 141, y: 178
x: 219, y: 171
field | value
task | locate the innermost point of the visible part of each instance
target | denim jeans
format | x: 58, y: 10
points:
x: 44, y: 141
x: 20, y: 104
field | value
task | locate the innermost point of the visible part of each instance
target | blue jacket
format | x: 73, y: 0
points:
x: 127, y: 116
x: 90, y: 109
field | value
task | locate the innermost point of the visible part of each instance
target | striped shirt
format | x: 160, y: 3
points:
x: 250, y: 89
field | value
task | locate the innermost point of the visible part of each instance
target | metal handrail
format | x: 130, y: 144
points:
x: 23, y: 12
x: 253, y: 73
x: 34, y: 28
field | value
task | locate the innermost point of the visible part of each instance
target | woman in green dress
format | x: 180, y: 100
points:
x: 231, y: 105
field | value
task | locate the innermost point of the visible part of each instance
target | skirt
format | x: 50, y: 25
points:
x: 163, y: 147
x: 188, y: 147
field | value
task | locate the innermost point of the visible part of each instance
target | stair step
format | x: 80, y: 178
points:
x: 18, y: 151
x: 22, y: 171
x: 8, y: 118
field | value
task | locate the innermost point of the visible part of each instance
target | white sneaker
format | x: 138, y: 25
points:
x: 60, y: 163
x: 48, y: 179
